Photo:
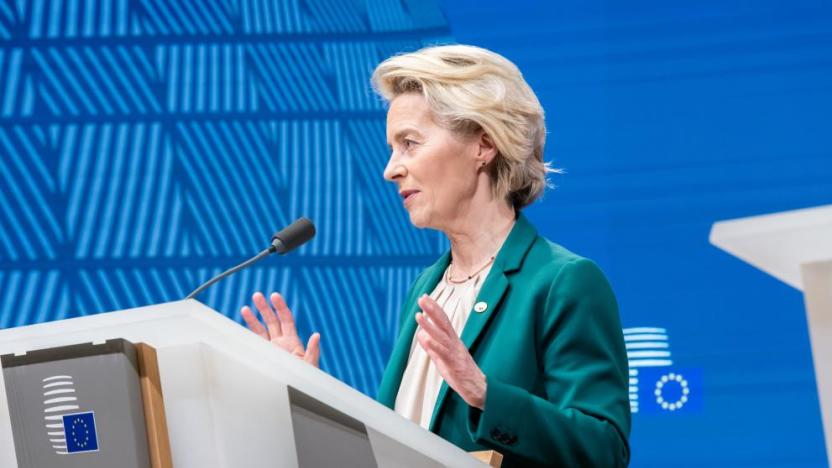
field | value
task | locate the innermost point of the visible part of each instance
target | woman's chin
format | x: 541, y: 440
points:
x: 418, y: 219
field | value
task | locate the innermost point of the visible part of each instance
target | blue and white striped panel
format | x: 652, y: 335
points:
x: 96, y: 80
x: 17, y: 93
x: 33, y: 296
x: 397, y: 281
x: 291, y: 77
x: 184, y: 17
x: 336, y: 16
x: 235, y: 196
x: 30, y: 224
x: 75, y: 18
x: 321, y: 183
x: 352, y: 64
x: 146, y: 145
x: 388, y: 16
x: 121, y: 196
x: 105, y: 289
x: 8, y: 20
x: 272, y: 16
x: 206, y: 78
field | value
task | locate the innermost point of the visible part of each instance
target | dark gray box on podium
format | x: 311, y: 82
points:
x: 77, y: 406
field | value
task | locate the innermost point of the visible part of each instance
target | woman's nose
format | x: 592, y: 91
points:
x: 394, y: 169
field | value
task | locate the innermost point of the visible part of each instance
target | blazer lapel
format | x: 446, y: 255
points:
x: 392, y: 378
x: 508, y: 260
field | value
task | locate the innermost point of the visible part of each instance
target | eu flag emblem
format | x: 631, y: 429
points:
x: 668, y: 390
x: 79, y: 429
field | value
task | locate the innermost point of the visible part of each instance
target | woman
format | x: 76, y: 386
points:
x: 509, y: 341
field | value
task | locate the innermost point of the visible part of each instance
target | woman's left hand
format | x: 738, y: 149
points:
x: 449, y: 354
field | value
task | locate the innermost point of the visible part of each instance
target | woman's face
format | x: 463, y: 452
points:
x: 434, y: 169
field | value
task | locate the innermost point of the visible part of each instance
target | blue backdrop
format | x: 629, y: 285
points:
x: 147, y: 144
x: 669, y: 116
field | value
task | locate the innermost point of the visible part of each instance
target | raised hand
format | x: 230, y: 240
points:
x: 438, y: 338
x: 280, y: 329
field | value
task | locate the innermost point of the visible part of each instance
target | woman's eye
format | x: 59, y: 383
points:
x: 409, y: 143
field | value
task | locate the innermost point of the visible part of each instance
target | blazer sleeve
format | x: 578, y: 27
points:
x: 584, y: 419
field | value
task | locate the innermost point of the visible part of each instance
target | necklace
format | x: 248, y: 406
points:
x: 448, y: 276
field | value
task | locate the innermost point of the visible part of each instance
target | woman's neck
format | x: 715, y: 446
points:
x: 478, y: 235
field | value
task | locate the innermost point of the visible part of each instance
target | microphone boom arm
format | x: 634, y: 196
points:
x: 288, y: 239
x: 265, y: 253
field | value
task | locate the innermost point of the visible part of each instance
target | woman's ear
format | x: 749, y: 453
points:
x: 487, y: 149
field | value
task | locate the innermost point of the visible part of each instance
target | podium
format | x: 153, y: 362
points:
x: 230, y: 398
x: 796, y: 248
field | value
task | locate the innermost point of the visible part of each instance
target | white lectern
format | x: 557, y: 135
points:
x: 232, y: 399
x: 796, y: 248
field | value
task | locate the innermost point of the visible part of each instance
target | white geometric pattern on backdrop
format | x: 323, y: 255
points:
x: 147, y: 145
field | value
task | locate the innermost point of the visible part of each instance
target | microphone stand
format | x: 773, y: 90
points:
x: 290, y: 238
x: 265, y: 253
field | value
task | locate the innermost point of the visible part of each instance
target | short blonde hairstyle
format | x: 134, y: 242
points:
x: 471, y: 89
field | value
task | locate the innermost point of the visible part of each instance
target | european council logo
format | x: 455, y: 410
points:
x: 69, y: 430
x: 656, y: 386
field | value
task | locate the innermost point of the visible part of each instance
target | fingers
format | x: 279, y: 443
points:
x: 313, y: 350
x: 457, y: 368
x: 252, y: 322
x: 287, y: 321
x: 272, y: 323
x: 280, y: 328
x: 439, y: 355
x: 434, y: 320
x: 436, y: 314
x: 433, y: 331
x: 432, y: 345
x: 298, y: 351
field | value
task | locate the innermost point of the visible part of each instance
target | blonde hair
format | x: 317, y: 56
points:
x: 471, y: 89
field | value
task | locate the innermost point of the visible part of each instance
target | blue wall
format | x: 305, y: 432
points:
x: 669, y: 116
x: 147, y: 144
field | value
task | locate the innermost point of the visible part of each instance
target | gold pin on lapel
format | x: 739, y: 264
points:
x: 480, y: 306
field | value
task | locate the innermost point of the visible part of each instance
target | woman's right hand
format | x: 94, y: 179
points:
x: 280, y: 329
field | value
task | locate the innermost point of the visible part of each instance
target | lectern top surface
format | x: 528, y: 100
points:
x: 779, y: 243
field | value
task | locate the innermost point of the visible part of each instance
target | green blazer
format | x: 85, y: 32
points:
x: 551, y: 347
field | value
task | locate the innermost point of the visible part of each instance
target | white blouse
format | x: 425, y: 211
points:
x: 421, y: 380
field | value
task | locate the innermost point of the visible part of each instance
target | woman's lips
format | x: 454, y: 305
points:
x: 408, y: 195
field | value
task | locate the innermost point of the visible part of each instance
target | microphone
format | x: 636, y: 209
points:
x: 293, y: 236
x: 286, y: 240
